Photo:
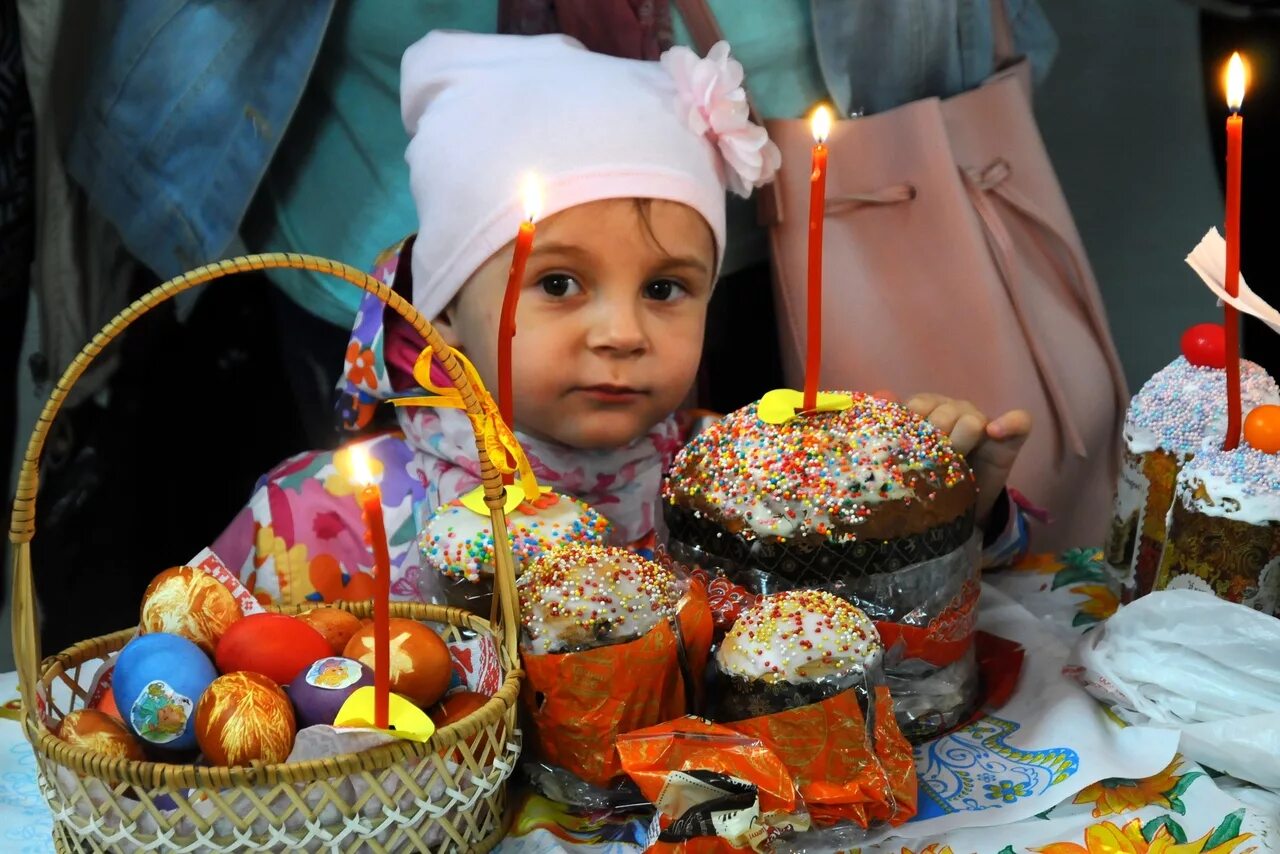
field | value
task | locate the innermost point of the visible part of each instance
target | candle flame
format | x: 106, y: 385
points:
x: 532, y: 196
x: 1237, y: 78
x: 820, y: 123
x: 361, y: 471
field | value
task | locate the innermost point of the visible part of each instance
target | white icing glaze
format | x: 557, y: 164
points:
x: 1243, y: 484
x: 458, y: 542
x: 586, y: 596
x: 813, y: 474
x: 799, y: 636
x: 1182, y: 404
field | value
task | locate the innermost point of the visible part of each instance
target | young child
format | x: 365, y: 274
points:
x: 635, y: 158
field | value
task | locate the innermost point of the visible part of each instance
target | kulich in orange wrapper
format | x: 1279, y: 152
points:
x: 580, y: 701
x: 701, y: 754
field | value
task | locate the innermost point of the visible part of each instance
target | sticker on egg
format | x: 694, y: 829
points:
x: 190, y: 603
x: 242, y: 718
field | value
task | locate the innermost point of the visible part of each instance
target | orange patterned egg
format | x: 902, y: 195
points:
x: 243, y: 717
x: 1262, y: 429
x: 421, y: 667
x: 97, y: 731
x: 188, y: 602
x: 334, y: 624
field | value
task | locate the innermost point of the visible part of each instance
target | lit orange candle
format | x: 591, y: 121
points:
x: 1235, y: 133
x: 821, y: 126
x: 511, y: 299
x: 370, y: 498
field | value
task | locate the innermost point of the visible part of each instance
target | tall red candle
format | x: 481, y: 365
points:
x: 511, y: 299
x: 821, y: 125
x: 1231, y: 318
x: 370, y: 498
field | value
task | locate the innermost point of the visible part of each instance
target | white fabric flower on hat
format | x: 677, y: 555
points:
x: 714, y: 104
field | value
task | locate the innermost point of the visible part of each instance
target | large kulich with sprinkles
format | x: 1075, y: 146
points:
x: 1224, y: 527
x: 821, y: 497
x: 794, y: 649
x: 457, y: 543
x: 1174, y: 413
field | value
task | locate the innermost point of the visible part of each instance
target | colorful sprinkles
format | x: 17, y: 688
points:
x: 1250, y: 472
x: 1182, y: 403
x: 820, y: 474
x: 796, y: 636
x: 459, y: 543
x: 586, y: 595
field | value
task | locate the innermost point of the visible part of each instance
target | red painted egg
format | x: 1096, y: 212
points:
x: 242, y: 718
x: 1262, y: 429
x: 335, y: 624
x: 107, y: 705
x: 421, y: 667
x: 1205, y: 345
x: 454, y: 708
x: 276, y: 645
x: 97, y: 731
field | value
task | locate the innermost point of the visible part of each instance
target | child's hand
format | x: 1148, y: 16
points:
x: 991, y: 447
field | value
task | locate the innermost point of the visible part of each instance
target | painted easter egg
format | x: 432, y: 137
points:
x: 421, y: 668
x: 244, y: 717
x: 334, y: 624
x: 453, y: 708
x: 319, y: 691
x: 1262, y: 428
x: 97, y: 731
x: 1205, y: 345
x: 190, y: 603
x: 276, y: 645
x: 158, y: 679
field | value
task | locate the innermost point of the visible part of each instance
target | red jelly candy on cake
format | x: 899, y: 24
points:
x: 1205, y: 345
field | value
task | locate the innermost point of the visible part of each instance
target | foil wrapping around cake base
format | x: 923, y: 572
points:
x: 807, y: 565
x: 1235, y: 560
x: 926, y: 611
x: 733, y: 698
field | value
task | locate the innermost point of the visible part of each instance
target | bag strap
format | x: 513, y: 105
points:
x: 705, y: 32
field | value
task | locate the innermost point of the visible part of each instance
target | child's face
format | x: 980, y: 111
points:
x: 610, y: 323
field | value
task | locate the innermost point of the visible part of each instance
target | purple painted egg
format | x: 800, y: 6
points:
x: 319, y: 691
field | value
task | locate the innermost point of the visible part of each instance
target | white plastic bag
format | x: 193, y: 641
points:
x: 1186, y: 660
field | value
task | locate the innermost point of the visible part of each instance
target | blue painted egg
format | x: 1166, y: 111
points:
x: 158, y: 681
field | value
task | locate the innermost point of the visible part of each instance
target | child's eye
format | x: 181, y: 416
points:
x: 559, y: 285
x: 664, y: 290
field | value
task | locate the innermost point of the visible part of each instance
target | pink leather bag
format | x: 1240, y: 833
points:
x: 951, y: 264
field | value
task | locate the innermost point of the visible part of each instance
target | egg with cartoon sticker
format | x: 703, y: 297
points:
x: 158, y: 679
x: 319, y: 691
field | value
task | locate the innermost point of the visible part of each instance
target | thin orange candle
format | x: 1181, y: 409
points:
x: 511, y: 299
x: 370, y: 499
x: 820, y: 123
x: 1231, y: 319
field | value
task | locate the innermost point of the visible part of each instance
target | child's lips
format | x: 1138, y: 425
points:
x: 610, y: 393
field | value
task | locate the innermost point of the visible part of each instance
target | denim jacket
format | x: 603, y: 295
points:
x: 188, y: 100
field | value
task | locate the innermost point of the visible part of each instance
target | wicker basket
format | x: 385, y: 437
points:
x: 448, y: 794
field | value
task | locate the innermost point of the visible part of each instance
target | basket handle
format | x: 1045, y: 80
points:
x: 22, y: 526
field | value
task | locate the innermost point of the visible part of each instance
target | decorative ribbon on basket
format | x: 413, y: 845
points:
x: 404, y: 795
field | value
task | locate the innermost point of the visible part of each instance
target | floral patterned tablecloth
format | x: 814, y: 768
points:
x: 1182, y: 809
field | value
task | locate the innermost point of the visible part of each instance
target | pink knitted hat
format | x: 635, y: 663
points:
x: 484, y: 111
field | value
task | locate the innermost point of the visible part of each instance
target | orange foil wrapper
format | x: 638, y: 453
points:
x: 580, y: 702
x: 663, y: 760
x: 841, y: 774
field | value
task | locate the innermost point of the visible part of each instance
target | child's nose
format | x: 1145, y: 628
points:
x: 617, y: 329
